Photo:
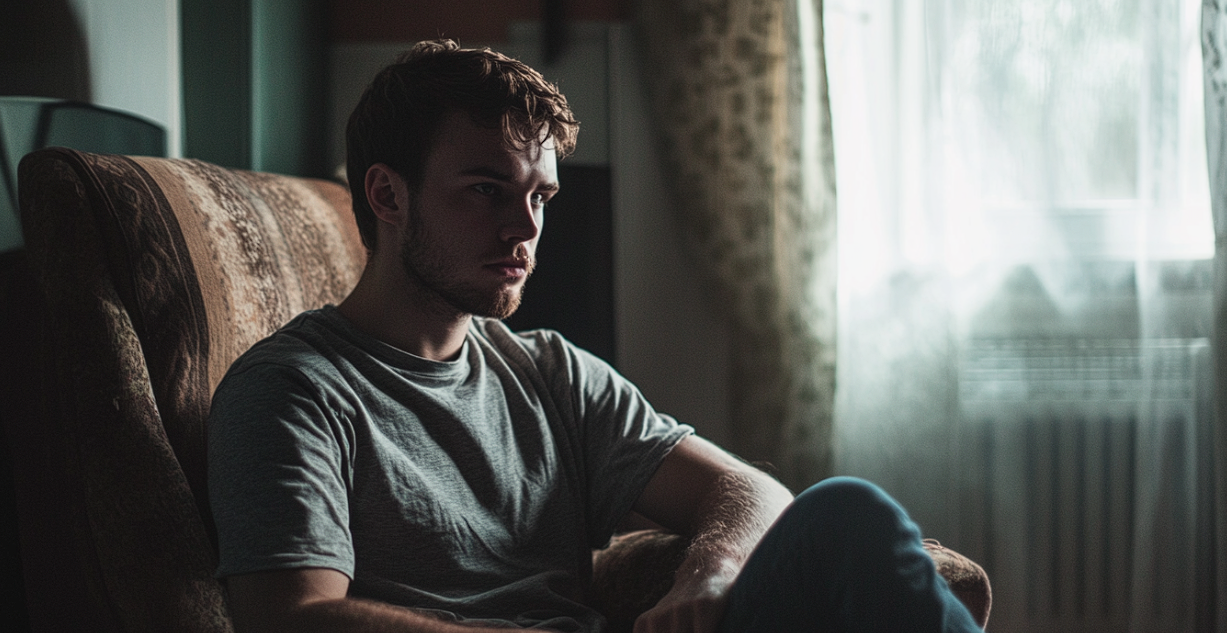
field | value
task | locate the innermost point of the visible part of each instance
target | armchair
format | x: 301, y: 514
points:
x: 145, y: 278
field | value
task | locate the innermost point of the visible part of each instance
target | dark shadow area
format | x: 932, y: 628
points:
x: 572, y: 288
x: 43, y: 51
x: 17, y: 298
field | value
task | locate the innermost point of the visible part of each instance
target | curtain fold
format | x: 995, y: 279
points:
x: 1214, y: 52
x: 739, y: 89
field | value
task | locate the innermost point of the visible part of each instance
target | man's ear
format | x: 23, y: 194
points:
x: 387, y: 194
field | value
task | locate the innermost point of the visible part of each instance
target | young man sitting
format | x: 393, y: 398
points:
x: 404, y: 462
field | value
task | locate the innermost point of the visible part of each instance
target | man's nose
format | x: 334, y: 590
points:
x: 522, y: 222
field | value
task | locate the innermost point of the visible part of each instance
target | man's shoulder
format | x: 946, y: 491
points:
x: 302, y: 335
x: 546, y: 349
x: 501, y: 336
x: 296, y: 364
x: 304, y: 345
x: 550, y: 354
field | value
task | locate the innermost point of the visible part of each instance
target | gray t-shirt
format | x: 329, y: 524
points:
x: 475, y: 487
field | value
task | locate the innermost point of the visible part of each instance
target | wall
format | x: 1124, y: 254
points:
x: 289, y: 56
x: 244, y: 88
x: 467, y: 21
x: 134, y: 58
x: 121, y: 54
x: 671, y: 342
x: 217, y: 87
x: 253, y: 84
x: 43, y: 50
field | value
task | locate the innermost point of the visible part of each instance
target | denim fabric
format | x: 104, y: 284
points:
x: 843, y: 557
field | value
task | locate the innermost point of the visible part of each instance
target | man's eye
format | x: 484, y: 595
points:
x: 485, y: 189
x: 539, y: 199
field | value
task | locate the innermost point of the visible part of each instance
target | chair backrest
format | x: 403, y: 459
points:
x: 153, y: 275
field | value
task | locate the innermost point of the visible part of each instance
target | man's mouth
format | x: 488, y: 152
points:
x: 513, y: 267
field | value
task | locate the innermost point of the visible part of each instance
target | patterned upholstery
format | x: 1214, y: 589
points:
x: 150, y: 276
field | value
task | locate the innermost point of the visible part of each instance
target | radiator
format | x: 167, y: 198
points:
x: 1084, y: 481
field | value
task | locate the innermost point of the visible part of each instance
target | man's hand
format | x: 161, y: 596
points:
x: 692, y: 605
x: 724, y: 506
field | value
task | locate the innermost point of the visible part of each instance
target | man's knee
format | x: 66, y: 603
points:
x: 849, y: 506
x: 844, y: 493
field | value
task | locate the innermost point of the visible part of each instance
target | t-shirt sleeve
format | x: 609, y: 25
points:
x: 624, y: 441
x: 279, y: 469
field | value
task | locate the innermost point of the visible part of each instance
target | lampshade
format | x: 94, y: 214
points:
x: 30, y: 123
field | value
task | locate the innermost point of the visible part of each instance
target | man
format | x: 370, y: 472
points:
x: 403, y: 462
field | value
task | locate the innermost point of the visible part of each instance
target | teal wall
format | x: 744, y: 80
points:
x: 254, y: 85
x: 216, y: 55
x: 289, y: 87
x: 119, y: 54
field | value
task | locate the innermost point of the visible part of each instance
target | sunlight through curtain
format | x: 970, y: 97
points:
x: 740, y: 95
x: 1214, y: 45
x: 1026, y: 296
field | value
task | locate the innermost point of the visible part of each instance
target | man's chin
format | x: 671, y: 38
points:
x: 500, y: 306
x: 504, y: 306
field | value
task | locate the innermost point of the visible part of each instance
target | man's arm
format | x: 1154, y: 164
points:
x: 315, y: 599
x: 724, y: 506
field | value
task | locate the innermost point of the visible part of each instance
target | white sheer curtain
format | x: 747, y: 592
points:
x: 1025, y: 295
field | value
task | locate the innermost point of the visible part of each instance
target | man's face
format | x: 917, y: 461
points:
x: 472, y: 233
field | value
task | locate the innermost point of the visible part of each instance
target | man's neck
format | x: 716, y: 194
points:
x: 388, y: 307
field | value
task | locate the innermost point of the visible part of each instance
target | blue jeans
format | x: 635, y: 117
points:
x: 843, y: 557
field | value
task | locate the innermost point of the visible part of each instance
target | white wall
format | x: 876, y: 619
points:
x: 134, y: 59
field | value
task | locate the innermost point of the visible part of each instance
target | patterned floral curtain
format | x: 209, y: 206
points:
x: 742, y: 113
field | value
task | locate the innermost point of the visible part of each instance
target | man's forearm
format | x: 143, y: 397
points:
x: 316, y: 599
x: 729, y: 521
x: 732, y: 518
x: 367, y: 616
x: 725, y: 507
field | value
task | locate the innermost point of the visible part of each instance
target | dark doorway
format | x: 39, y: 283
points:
x: 572, y: 288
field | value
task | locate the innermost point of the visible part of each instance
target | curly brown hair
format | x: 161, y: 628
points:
x: 397, y: 120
